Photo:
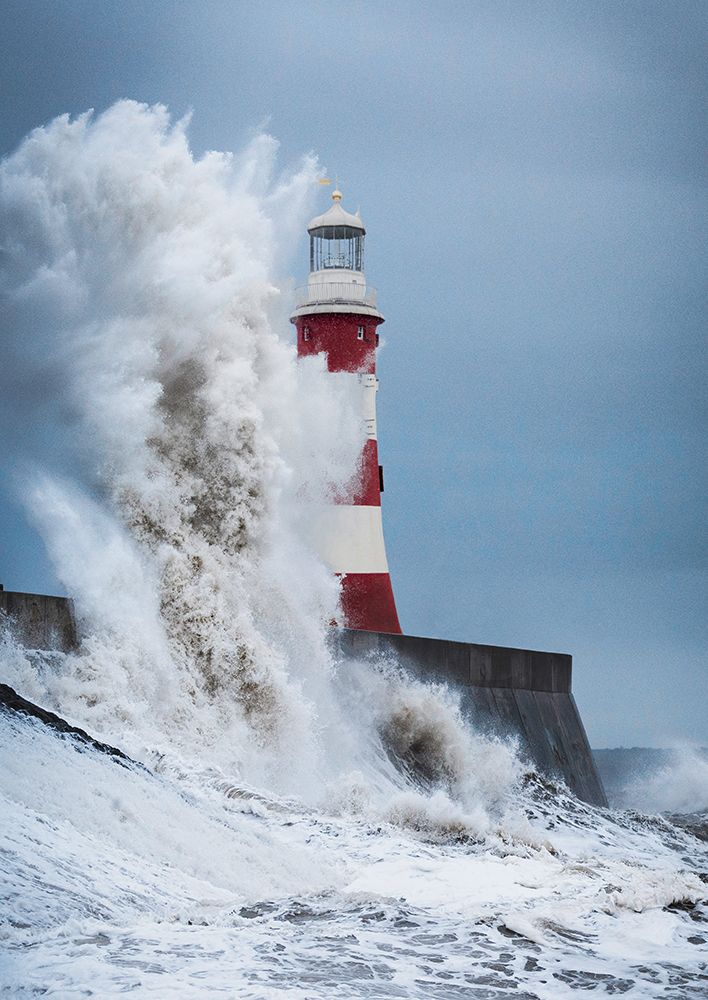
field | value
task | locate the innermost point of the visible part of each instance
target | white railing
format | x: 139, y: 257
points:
x: 337, y: 292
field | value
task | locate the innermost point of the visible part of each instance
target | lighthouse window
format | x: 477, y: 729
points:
x: 360, y: 332
x: 337, y: 247
x: 306, y: 333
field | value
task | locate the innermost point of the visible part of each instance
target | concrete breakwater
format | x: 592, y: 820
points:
x: 40, y: 621
x: 509, y: 692
x: 518, y: 692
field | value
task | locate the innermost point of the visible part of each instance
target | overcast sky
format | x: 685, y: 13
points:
x: 532, y: 177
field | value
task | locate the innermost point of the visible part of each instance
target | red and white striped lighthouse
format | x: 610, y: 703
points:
x: 336, y: 315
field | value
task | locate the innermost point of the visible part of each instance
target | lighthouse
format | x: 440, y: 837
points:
x: 337, y: 316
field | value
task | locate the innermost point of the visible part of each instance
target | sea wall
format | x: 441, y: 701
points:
x: 517, y: 692
x: 40, y: 621
x: 508, y: 692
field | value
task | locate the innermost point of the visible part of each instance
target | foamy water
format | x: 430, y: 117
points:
x: 293, y: 825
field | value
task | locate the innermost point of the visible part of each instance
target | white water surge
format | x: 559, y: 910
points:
x: 295, y: 826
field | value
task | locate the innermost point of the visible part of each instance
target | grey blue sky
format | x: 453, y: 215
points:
x: 533, y: 180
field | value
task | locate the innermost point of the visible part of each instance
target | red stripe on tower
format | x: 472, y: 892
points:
x: 336, y: 315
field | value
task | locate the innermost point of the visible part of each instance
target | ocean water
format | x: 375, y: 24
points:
x: 288, y: 825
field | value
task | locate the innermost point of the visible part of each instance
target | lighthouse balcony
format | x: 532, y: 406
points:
x: 335, y: 292
x: 336, y: 297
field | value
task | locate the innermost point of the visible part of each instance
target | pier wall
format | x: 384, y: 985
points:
x: 518, y: 692
x: 39, y: 621
x: 507, y: 692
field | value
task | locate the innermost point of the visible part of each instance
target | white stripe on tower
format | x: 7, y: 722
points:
x: 350, y: 538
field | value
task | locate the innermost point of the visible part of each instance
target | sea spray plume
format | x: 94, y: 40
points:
x: 433, y: 774
x: 679, y: 786
x: 422, y: 724
x: 144, y: 276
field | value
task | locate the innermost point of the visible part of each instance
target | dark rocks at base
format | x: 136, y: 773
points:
x: 11, y: 701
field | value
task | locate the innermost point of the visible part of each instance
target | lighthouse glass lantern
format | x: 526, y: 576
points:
x: 337, y: 247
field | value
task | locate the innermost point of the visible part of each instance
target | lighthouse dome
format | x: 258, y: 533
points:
x: 338, y: 217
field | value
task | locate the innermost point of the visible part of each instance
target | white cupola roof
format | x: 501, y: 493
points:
x: 337, y: 216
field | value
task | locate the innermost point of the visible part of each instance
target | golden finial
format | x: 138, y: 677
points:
x: 336, y: 195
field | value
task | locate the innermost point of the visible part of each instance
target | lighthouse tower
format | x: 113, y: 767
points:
x: 336, y: 315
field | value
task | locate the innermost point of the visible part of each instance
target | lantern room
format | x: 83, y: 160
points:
x: 336, y: 282
x: 336, y: 239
